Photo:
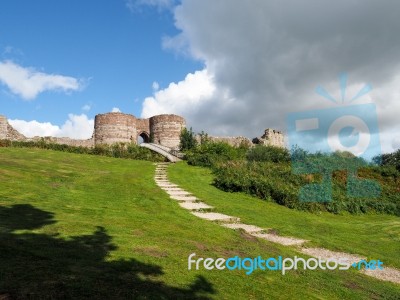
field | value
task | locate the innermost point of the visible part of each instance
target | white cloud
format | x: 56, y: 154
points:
x: 29, y: 83
x: 115, y: 109
x: 155, y: 86
x: 75, y: 127
x: 264, y: 62
x: 86, y: 107
x: 34, y: 128
x: 180, y: 97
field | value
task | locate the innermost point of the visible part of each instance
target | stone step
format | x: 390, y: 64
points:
x: 179, y: 193
x: 195, y: 206
x: 387, y: 274
x: 175, y: 189
x: 245, y: 227
x: 172, y: 188
x: 211, y: 216
x: 286, y: 241
x: 167, y: 187
x: 328, y: 254
x: 180, y: 198
x: 186, y: 199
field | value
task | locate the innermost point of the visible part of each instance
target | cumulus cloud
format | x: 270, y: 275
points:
x: 264, y: 59
x: 28, y: 83
x: 75, y: 127
x: 180, y: 97
x: 115, y: 109
x: 155, y: 86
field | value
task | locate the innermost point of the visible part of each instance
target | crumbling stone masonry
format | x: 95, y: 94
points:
x: 118, y: 127
x: 271, y: 137
x: 3, y: 127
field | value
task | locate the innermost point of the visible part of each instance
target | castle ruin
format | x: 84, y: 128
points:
x: 112, y: 128
x: 116, y: 127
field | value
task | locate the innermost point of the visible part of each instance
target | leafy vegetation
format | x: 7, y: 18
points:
x: 390, y: 160
x: 268, y: 154
x: 338, y: 182
x: 187, y: 139
x: 118, y: 150
x: 276, y: 182
x: 210, y: 154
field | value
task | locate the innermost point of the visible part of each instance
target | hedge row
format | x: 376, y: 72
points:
x: 276, y: 182
x: 118, y: 150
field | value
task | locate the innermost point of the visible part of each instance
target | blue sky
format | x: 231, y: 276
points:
x: 229, y: 67
x: 114, y: 52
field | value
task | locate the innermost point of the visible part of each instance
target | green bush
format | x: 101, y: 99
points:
x: 276, y: 182
x: 209, y: 154
x: 187, y: 140
x: 268, y: 153
x: 389, y: 159
x: 118, y: 150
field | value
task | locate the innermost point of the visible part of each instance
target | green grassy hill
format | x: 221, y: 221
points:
x: 80, y: 226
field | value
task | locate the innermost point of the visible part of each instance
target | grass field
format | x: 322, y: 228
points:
x: 79, y: 226
x: 376, y: 236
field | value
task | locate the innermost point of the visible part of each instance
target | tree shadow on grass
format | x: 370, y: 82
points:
x: 40, y: 266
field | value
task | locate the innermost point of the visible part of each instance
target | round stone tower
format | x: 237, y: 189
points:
x: 3, y: 127
x: 166, y: 129
x: 113, y: 128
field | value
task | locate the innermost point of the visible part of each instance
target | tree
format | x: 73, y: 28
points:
x: 187, y: 139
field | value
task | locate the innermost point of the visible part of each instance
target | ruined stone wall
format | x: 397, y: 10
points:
x: 233, y: 141
x: 89, y: 143
x: 274, y: 137
x: 14, y: 135
x: 113, y: 128
x: 271, y: 137
x: 166, y: 129
x: 3, y: 127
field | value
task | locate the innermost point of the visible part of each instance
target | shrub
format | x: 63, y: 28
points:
x: 209, y: 154
x: 389, y: 159
x: 187, y: 139
x: 268, y: 153
x: 276, y: 182
x: 118, y: 150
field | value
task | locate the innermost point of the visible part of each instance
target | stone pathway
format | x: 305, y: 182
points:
x: 202, y: 210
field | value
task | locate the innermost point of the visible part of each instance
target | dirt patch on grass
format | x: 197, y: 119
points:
x: 151, y: 251
x: 200, y: 246
x: 138, y: 232
x: 247, y: 237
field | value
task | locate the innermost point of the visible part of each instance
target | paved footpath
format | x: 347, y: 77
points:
x: 200, y: 209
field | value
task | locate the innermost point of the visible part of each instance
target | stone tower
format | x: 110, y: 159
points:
x: 166, y: 129
x: 113, y: 128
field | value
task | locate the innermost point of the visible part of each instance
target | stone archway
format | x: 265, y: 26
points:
x: 143, y: 137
